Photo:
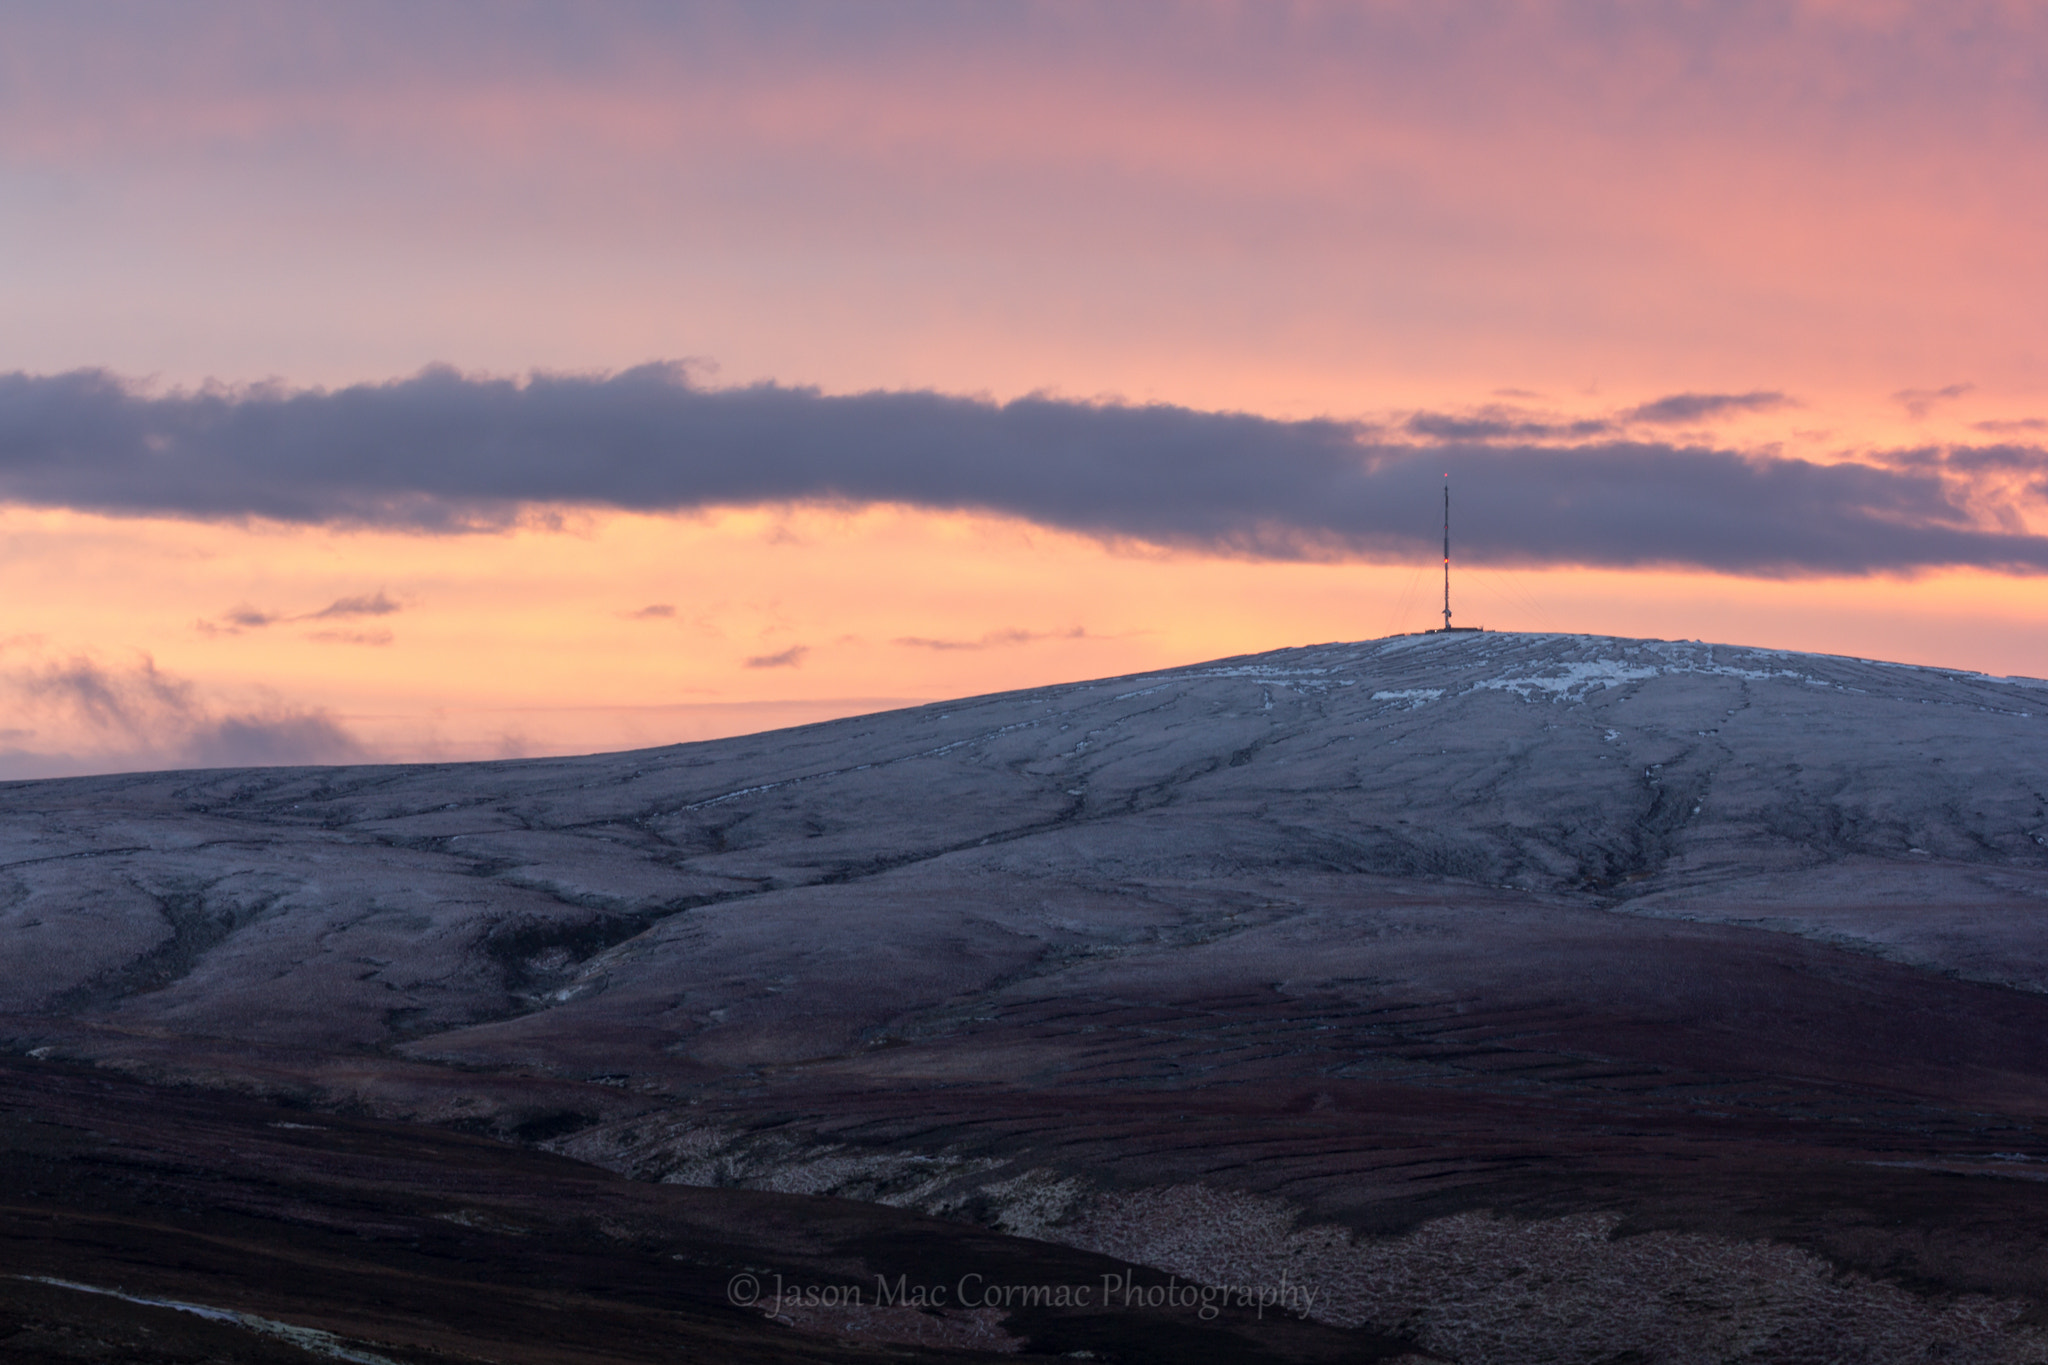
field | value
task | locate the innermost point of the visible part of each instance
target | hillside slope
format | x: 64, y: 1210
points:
x: 1349, y: 943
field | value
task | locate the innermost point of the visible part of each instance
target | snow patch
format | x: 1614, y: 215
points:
x: 1414, y: 696
x: 1572, y: 681
x: 309, y: 1339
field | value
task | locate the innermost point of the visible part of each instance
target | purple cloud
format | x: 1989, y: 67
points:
x: 991, y: 638
x: 138, y: 717
x: 1702, y: 407
x: 441, y: 452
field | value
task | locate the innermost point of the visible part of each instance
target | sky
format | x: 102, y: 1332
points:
x: 436, y: 381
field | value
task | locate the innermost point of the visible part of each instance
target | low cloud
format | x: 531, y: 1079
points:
x: 136, y: 702
x: 1920, y: 402
x: 351, y: 637
x: 1495, y: 423
x: 377, y: 604
x: 788, y: 658
x: 660, y: 611
x: 248, y: 618
x: 290, y: 738
x: 441, y: 452
x: 992, y: 639
x: 90, y: 716
x: 1704, y: 407
x: 235, y: 620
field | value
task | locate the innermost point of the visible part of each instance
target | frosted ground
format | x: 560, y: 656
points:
x: 1470, y: 974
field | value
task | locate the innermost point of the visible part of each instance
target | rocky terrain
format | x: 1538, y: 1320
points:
x: 1527, y: 997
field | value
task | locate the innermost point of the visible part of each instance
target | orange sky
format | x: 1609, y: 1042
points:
x: 541, y: 640
x: 1353, y: 210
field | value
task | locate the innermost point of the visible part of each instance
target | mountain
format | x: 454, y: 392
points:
x: 1515, y: 990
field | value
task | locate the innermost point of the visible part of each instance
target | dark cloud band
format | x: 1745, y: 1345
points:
x: 441, y: 451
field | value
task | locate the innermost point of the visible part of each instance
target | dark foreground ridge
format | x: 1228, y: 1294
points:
x: 315, y: 1237
x: 1525, y: 996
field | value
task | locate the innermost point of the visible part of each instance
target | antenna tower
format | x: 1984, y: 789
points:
x: 1447, y: 552
x: 1448, y: 628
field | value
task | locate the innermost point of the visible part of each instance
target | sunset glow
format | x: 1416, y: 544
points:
x: 1707, y: 240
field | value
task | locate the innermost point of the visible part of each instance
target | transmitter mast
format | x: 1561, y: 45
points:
x: 1448, y: 628
x: 1447, y: 552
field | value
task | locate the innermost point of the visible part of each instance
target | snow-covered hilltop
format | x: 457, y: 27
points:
x: 357, y: 906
